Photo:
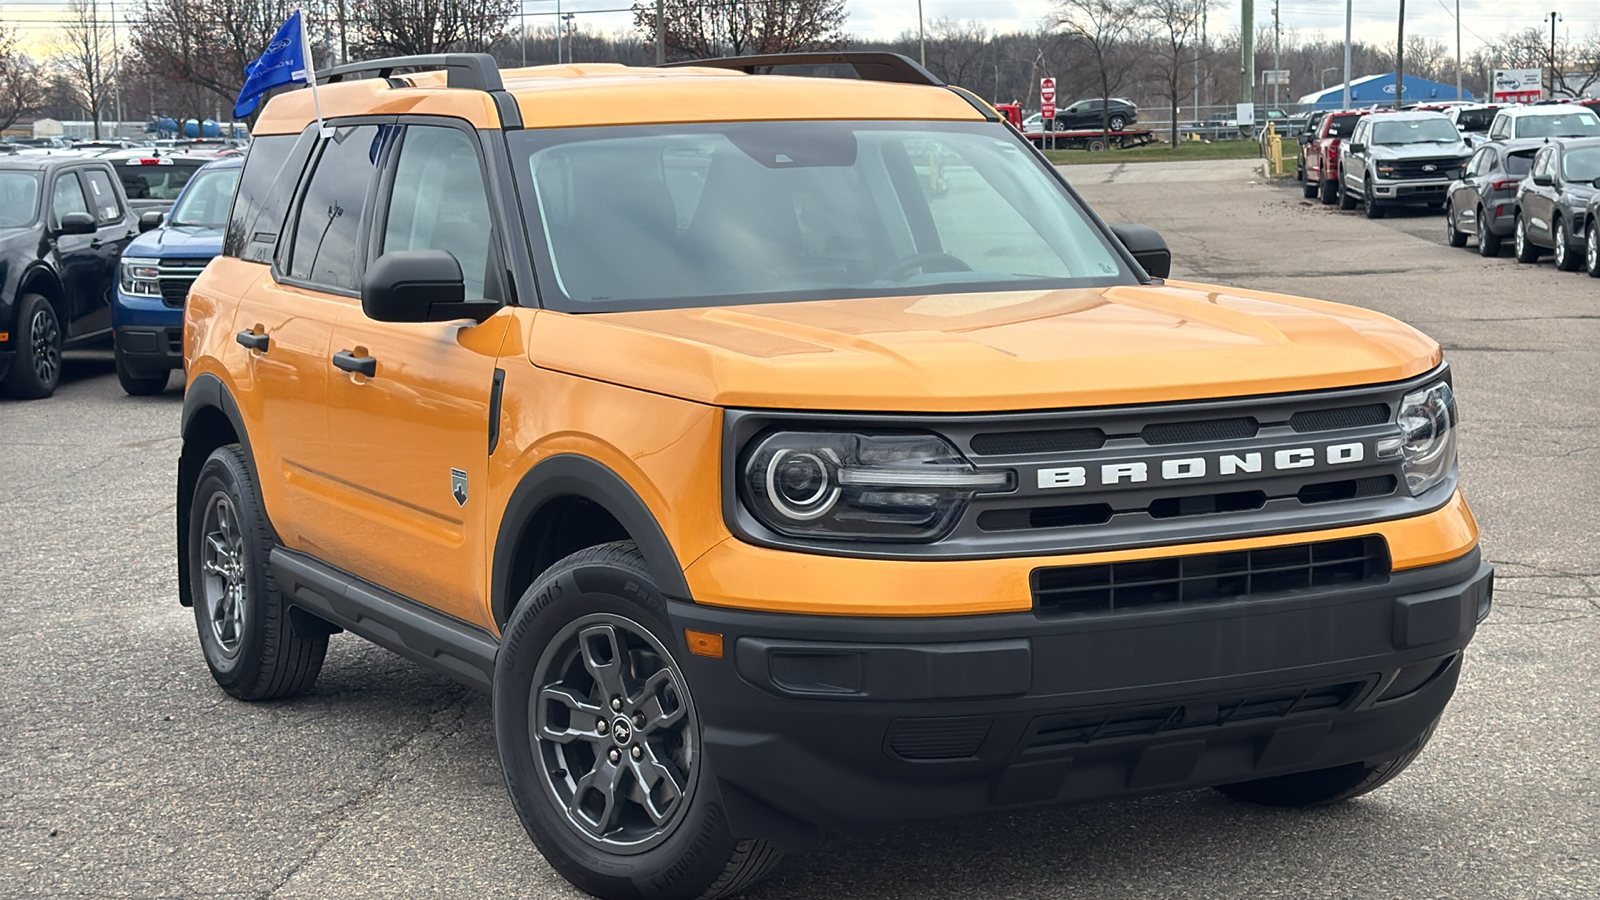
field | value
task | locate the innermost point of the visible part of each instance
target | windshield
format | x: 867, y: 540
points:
x: 206, y: 201
x: 753, y: 212
x: 1581, y: 164
x: 1415, y: 131
x: 1578, y: 123
x: 19, y: 195
x: 162, y: 180
x: 1476, y: 120
x: 1341, y: 126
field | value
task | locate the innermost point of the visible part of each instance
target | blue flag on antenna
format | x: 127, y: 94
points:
x: 284, y: 62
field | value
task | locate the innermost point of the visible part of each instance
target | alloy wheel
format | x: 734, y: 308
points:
x: 222, y: 565
x: 45, y: 336
x: 1561, y: 245
x: 1522, y: 238
x: 1591, y: 249
x: 614, y: 733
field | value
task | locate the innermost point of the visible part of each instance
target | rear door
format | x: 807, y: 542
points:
x: 115, y: 230
x: 1538, y: 200
x: 409, y: 443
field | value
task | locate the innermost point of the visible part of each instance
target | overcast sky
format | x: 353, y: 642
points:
x: 871, y: 19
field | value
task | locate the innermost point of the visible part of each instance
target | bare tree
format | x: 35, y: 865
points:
x: 410, y: 27
x: 1173, y: 27
x: 1105, y: 27
x: 956, y: 50
x: 81, y: 52
x: 22, y: 82
x: 696, y: 29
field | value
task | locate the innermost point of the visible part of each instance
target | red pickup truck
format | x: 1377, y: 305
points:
x: 1319, y: 154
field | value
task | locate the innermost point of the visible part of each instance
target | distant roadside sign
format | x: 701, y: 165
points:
x: 1518, y: 85
x: 1047, y: 98
x: 1275, y: 76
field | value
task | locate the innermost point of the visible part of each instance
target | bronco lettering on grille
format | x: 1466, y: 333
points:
x: 1188, y: 467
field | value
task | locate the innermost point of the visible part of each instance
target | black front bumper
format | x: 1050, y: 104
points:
x: 146, y: 349
x: 820, y: 724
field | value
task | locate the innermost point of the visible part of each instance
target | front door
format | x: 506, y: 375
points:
x: 409, y: 443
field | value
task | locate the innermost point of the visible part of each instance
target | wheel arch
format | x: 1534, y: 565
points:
x: 210, y: 420
x: 562, y: 505
x: 42, y: 280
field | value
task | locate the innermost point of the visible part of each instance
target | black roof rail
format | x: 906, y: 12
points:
x: 870, y: 65
x: 472, y: 71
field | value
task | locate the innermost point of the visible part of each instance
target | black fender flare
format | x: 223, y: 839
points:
x: 206, y: 391
x: 573, y: 475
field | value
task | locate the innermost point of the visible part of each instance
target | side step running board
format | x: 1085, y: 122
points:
x: 453, y: 648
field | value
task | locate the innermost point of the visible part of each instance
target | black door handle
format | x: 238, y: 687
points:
x: 253, y: 341
x: 96, y: 244
x: 349, y: 362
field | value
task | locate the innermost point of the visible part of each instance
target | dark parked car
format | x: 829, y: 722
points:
x: 1484, y: 201
x: 1095, y: 114
x: 1591, y: 238
x: 157, y: 269
x: 63, y: 223
x: 153, y: 179
x: 1399, y: 159
x: 1553, y: 202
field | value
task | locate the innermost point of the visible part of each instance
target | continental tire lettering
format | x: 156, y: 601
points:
x: 1112, y: 473
x: 548, y: 596
x: 1230, y: 464
x: 1069, y: 477
x: 691, y: 855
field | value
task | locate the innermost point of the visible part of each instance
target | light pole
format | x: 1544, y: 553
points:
x: 1554, y: 18
x: 1347, y: 4
x: 922, y: 36
x: 1400, y: 59
x: 1458, y: 51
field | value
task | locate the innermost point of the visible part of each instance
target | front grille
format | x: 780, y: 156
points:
x: 1089, y: 727
x: 1197, y: 432
x: 1208, y: 577
x: 177, y: 276
x: 1443, y: 167
x: 1342, y: 417
x: 1063, y: 440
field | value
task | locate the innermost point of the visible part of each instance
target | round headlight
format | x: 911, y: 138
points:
x: 800, y: 484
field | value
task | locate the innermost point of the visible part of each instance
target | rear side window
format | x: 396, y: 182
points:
x: 1519, y: 163
x: 265, y: 186
x: 323, y: 250
x: 107, y: 208
x: 1341, y: 126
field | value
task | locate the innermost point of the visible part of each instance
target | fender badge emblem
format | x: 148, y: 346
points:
x: 458, y: 486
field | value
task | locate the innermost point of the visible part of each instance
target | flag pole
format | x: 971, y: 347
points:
x: 311, y: 72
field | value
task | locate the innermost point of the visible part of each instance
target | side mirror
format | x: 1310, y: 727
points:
x: 76, y: 223
x: 1356, y: 147
x: 419, y: 286
x: 151, y: 220
x: 1148, y: 248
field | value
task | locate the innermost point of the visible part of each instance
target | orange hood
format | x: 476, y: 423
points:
x: 989, y: 351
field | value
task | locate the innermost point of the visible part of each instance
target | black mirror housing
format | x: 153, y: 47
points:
x: 76, y: 223
x: 151, y: 220
x: 419, y: 286
x: 1357, y: 147
x: 1544, y: 181
x: 1148, y: 248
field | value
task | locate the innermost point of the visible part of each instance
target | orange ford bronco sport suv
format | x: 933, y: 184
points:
x: 790, y: 456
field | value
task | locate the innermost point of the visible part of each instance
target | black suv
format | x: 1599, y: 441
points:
x: 63, y: 224
x: 1115, y: 115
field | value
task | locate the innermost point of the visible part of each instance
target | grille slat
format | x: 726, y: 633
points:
x: 1060, y: 440
x: 1340, y: 418
x: 1208, y: 577
x: 1199, y: 432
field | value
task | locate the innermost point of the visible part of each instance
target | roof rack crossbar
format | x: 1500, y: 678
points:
x: 471, y: 71
x: 869, y: 65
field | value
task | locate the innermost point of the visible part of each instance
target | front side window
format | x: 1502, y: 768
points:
x: 1479, y: 164
x: 205, y: 203
x: 1541, y: 164
x: 439, y: 203
x: 1500, y: 127
x: 68, y: 196
x: 19, y: 198
x: 324, y: 248
x: 709, y: 215
x: 103, y: 196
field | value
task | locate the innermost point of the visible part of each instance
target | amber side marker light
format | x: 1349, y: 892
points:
x: 5, y: 336
x: 704, y: 643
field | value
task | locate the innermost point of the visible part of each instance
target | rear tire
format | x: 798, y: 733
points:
x: 252, y: 646
x: 1346, y: 202
x: 1117, y: 123
x: 1453, y: 236
x: 1591, y: 250
x: 1328, y: 191
x: 1565, y: 259
x: 1325, y: 786
x: 1525, y: 251
x: 617, y: 794
x: 138, y: 384
x: 1309, y: 188
x: 36, y: 371
x: 1488, y: 241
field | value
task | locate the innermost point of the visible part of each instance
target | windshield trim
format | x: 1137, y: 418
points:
x: 522, y: 144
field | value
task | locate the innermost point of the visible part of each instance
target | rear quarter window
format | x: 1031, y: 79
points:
x: 271, y: 168
x: 103, y: 196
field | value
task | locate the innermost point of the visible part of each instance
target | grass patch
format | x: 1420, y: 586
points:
x: 1160, y: 153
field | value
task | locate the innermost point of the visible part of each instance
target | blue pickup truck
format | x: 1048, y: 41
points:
x: 157, y: 269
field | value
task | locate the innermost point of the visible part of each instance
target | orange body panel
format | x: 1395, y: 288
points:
x: 736, y: 574
x: 989, y: 352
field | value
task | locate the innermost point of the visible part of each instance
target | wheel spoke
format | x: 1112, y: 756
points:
x: 661, y: 701
x: 216, y: 556
x: 602, y: 657
x: 582, y: 716
x: 659, y: 786
x: 602, y: 780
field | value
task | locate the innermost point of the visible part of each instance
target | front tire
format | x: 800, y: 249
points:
x: 1346, y: 201
x: 1370, y: 204
x: 1453, y: 236
x: 1325, y: 786
x: 37, y: 369
x: 1591, y: 250
x: 600, y: 741
x: 1565, y: 259
x: 254, y: 650
x: 1488, y: 241
x: 1526, y: 252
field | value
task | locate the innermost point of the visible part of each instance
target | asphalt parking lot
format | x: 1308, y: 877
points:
x: 125, y: 772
